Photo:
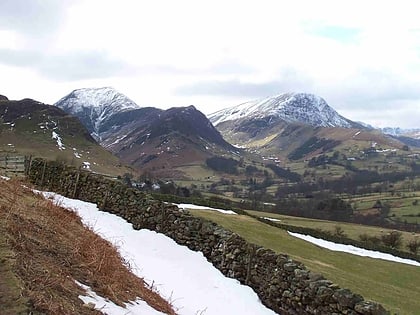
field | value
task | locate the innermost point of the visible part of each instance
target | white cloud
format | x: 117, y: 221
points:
x: 352, y: 53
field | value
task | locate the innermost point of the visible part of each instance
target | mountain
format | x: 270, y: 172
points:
x: 151, y: 138
x: 293, y: 126
x: 290, y: 107
x: 396, y: 131
x: 145, y: 137
x: 94, y: 106
x: 410, y: 137
x: 32, y: 128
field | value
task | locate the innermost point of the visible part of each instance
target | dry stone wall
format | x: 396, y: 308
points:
x: 282, y: 284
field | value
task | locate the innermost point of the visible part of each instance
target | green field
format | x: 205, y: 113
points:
x: 351, y: 230
x: 403, y: 205
x: 396, y: 286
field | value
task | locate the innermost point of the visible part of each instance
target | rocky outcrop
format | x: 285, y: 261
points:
x: 282, y: 284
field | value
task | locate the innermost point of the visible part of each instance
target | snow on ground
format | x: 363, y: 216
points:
x: 57, y: 137
x: 182, y: 276
x: 108, y: 307
x: 195, y: 207
x: 271, y: 219
x: 353, y: 249
x: 4, y: 177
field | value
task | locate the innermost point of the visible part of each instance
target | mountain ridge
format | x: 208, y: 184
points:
x: 291, y: 107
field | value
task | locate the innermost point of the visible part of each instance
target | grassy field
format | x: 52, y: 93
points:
x: 396, y: 286
x: 351, y: 230
x: 403, y: 205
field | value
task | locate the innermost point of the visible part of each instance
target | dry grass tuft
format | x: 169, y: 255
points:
x: 53, y: 249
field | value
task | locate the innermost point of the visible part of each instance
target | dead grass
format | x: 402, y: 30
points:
x: 53, y: 249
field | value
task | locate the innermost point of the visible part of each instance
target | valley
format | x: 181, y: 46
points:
x: 290, y: 158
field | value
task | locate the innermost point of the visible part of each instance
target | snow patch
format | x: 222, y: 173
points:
x: 106, y: 306
x: 195, y: 207
x: 353, y: 249
x: 271, y: 219
x: 185, y: 277
x: 57, y: 137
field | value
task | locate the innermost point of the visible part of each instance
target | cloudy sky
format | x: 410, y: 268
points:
x: 363, y: 57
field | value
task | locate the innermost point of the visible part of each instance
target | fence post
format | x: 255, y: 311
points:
x: 75, y: 186
x: 43, y: 173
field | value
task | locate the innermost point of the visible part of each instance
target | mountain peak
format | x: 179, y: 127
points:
x: 291, y: 107
x: 94, y: 106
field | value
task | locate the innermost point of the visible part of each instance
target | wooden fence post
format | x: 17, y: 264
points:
x: 75, y: 186
x: 43, y: 174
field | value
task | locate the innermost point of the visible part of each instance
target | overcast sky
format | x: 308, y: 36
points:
x: 362, y: 57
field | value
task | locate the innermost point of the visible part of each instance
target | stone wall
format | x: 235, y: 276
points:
x: 282, y: 284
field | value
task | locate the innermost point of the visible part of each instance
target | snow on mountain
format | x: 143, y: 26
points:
x: 93, y: 106
x: 397, y: 131
x: 291, y: 107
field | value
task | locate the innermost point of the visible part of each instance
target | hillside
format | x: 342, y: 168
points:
x: 32, y: 128
x: 160, y: 140
x: 43, y: 253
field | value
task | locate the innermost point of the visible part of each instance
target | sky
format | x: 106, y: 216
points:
x: 362, y: 57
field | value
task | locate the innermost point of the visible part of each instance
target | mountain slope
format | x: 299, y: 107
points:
x: 151, y: 138
x: 94, y: 106
x: 290, y: 107
x: 410, y: 137
x: 33, y: 128
x: 397, y: 132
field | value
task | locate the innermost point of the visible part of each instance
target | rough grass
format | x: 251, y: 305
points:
x: 394, y: 285
x: 53, y: 249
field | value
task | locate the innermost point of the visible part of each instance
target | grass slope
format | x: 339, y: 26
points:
x: 394, y: 285
x: 51, y: 249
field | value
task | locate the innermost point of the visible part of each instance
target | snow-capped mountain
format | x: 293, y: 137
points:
x: 290, y: 107
x: 94, y: 106
x: 397, y: 131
